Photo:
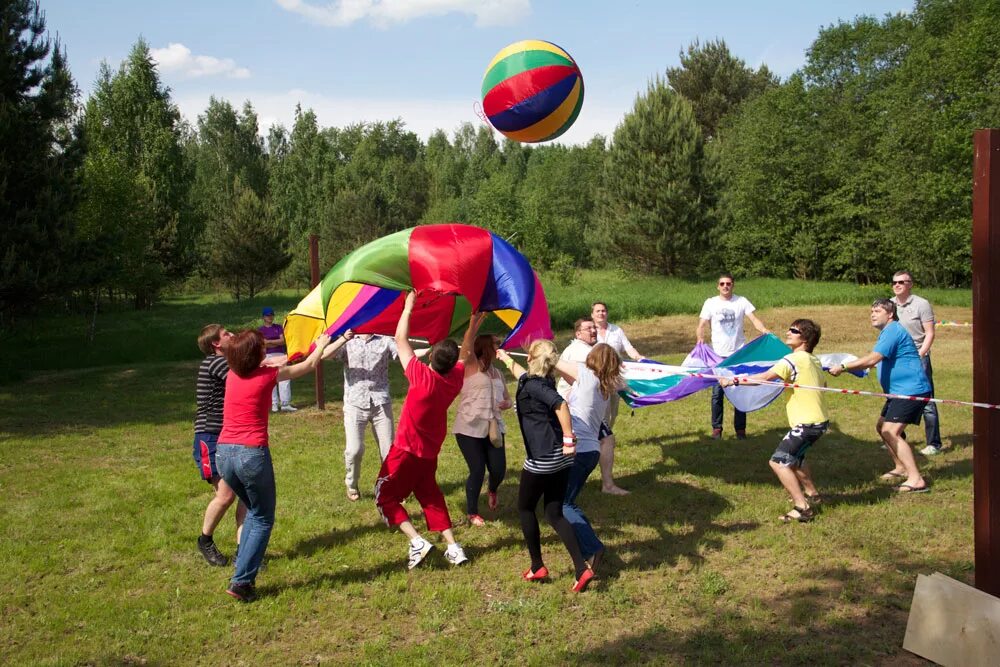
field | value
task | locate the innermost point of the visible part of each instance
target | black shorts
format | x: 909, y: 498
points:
x: 791, y: 450
x: 903, y: 411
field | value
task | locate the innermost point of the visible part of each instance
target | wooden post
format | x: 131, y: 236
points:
x: 313, y: 281
x: 986, y: 356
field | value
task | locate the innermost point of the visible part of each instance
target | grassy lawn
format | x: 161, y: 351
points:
x: 102, y: 505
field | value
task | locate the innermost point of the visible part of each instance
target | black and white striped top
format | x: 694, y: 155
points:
x: 210, y: 393
x: 537, y: 400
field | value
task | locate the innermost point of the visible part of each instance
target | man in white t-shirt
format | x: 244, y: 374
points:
x: 584, y: 339
x: 725, y: 314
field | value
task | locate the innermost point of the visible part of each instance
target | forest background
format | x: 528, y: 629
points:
x: 855, y: 165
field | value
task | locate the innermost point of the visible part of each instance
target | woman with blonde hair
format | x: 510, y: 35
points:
x: 595, y: 384
x: 549, y: 445
x: 484, y: 395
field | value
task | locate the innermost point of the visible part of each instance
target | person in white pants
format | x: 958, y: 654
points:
x: 367, y: 401
x: 274, y: 346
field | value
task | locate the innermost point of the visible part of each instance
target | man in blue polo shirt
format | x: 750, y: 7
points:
x: 900, y: 371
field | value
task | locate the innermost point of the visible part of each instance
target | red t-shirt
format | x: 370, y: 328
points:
x: 423, y: 423
x: 245, y: 410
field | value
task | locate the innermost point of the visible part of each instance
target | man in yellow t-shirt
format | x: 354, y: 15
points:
x: 806, y: 415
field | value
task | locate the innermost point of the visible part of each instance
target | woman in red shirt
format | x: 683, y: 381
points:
x: 242, y: 455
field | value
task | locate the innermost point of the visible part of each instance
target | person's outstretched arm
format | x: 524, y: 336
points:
x: 468, y: 351
x: 515, y: 368
x: 303, y: 367
x: 866, y: 361
x: 403, y: 347
x: 337, y: 344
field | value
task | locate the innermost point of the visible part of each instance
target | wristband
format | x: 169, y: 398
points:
x: 843, y: 367
x: 569, y: 441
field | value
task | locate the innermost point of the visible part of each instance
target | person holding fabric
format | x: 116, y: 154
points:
x: 917, y: 317
x: 210, y: 394
x: 411, y: 465
x: 595, y: 383
x: 367, y: 401
x: 549, y: 445
x: 807, y: 417
x: 724, y: 314
x: 243, y: 454
x: 484, y: 395
x: 274, y: 344
x: 899, y: 372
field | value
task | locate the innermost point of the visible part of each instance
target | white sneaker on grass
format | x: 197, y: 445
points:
x: 419, y: 548
x: 288, y: 408
x: 455, y: 555
x: 930, y: 450
x: 274, y: 408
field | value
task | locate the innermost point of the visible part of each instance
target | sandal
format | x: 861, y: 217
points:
x: 906, y: 488
x: 537, y: 575
x: 800, y: 514
x: 814, y: 500
x: 353, y: 495
x: 476, y: 520
x: 892, y: 476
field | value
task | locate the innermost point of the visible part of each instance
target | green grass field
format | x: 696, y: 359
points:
x: 102, y: 505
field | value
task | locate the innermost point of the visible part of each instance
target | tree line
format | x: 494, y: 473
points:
x: 857, y: 164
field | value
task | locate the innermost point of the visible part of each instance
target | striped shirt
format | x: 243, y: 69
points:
x: 546, y: 465
x: 211, y: 392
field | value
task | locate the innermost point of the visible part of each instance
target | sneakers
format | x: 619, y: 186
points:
x: 476, y: 520
x: 274, y: 408
x: 288, y: 408
x: 716, y: 433
x: 419, y: 548
x: 580, y: 584
x: 206, y: 545
x: 741, y: 435
x: 242, y: 592
x: 930, y: 450
x: 455, y: 555
x: 491, y: 500
x: 537, y: 575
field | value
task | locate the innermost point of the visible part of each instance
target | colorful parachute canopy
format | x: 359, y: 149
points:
x: 652, y: 383
x: 454, y: 270
x: 532, y: 91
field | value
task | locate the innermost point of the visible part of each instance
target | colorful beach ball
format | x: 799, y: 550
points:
x: 532, y: 91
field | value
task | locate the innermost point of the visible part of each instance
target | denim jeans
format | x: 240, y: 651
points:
x: 739, y: 418
x: 248, y: 471
x: 583, y: 464
x: 931, y: 427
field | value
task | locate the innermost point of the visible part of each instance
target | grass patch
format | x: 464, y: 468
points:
x: 102, y: 508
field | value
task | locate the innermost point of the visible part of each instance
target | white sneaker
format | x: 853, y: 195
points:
x: 274, y: 408
x: 289, y: 408
x: 930, y: 450
x: 455, y: 555
x: 417, y: 552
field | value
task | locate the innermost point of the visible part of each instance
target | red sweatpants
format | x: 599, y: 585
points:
x: 403, y: 473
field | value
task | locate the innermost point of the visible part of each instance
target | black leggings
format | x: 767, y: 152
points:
x: 553, y: 488
x: 480, y: 455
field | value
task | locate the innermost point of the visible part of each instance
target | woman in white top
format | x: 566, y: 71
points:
x: 484, y: 395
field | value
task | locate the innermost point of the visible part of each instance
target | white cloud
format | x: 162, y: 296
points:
x: 421, y: 116
x: 383, y: 13
x: 178, y: 59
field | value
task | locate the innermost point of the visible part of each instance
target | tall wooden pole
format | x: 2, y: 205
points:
x: 313, y: 281
x: 986, y: 356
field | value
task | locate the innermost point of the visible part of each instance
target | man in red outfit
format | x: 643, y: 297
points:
x: 411, y: 465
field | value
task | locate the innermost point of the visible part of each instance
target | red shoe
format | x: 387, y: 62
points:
x: 537, y: 575
x: 492, y: 500
x: 581, y: 584
x: 476, y: 520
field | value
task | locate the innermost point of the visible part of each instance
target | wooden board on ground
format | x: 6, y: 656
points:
x: 953, y: 623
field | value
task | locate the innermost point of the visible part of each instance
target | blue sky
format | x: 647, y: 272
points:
x: 423, y: 60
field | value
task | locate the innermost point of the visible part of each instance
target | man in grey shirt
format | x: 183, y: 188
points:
x: 917, y: 317
x: 367, y: 401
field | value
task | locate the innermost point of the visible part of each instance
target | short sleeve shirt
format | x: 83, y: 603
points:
x: 726, y: 317
x: 537, y: 400
x: 366, y: 370
x: 912, y: 316
x: 423, y: 422
x: 574, y: 353
x: 805, y: 406
x: 900, y: 371
x: 273, y: 332
x: 587, y: 407
x: 245, y: 412
x: 616, y: 338
x: 210, y: 394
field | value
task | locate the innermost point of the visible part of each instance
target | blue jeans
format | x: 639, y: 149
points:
x: 739, y: 418
x: 583, y: 464
x: 931, y: 427
x: 248, y: 471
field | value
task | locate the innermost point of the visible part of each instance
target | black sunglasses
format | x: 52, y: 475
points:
x: 794, y: 331
x: 900, y: 282
x: 724, y: 284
